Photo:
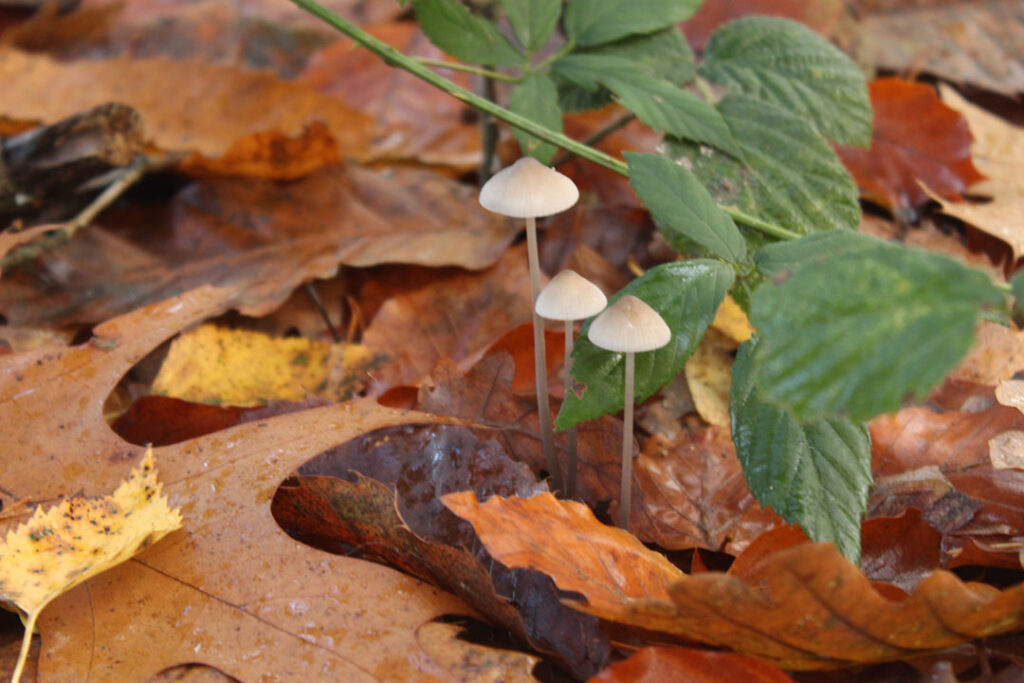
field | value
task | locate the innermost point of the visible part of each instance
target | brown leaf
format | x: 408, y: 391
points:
x: 415, y: 119
x: 268, y: 237
x: 237, y: 590
x: 900, y: 550
x: 998, y: 353
x: 659, y: 664
x: 916, y: 138
x: 271, y: 155
x: 811, y: 610
x: 694, y: 495
x: 209, y: 108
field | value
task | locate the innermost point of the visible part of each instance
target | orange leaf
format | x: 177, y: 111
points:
x: 660, y: 664
x: 916, y: 139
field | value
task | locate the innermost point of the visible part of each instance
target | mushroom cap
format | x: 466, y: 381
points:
x: 570, y: 296
x: 631, y: 326
x: 528, y: 189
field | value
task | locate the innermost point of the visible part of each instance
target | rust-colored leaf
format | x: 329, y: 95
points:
x: 660, y: 664
x: 271, y: 155
x: 916, y: 139
x: 811, y: 609
x: 209, y: 108
x: 235, y: 587
x: 268, y: 237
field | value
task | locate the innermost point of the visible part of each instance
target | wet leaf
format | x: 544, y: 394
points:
x: 916, y: 139
x: 657, y: 664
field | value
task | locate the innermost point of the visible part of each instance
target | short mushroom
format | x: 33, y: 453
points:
x: 629, y: 326
x: 570, y: 297
x: 529, y: 189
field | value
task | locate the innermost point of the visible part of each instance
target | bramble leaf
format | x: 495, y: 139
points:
x: 678, y: 201
x: 462, y: 34
x: 815, y: 473
x: 687, y: 295
x: 536, y: 98
x: 593, y: 22
x: 532, y: 20
x: 787, y: 64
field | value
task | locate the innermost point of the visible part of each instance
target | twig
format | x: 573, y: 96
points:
x: 315, y: 296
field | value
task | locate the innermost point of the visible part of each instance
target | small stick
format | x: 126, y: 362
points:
x: 315, y: 296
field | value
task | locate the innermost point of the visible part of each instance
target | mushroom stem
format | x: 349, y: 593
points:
x: 626, y: 495
x: 547, y: 433
x: 570, y: 479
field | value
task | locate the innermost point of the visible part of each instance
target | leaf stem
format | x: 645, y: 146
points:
x: 597, y: 137
x: 468, y: 68
x: 26, y: 644
x: 397, y: 59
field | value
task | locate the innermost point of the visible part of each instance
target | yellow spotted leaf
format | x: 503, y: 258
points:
x: 60, y: 547
x: 243, y: 368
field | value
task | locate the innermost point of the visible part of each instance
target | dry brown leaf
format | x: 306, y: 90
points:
x: 811, y: 609
x: 208, y: 109
x: 998, y: 152
x: 240, y: 594
x: 997, y: 353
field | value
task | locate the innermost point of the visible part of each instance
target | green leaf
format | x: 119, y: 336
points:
x: 664, y: 54
x: 687, y: 295
x: 682, y: 206
x: 791, y: 177
x: 658, y: 103
x: 593, y: 22
x: 858, y: 331
x: 532, y: 20
x: 815, y: 473
x: 536, y: 98
x: 780, y: 259
x: 789, y: 65
x: 1017, y: 287
x: 451, y: 27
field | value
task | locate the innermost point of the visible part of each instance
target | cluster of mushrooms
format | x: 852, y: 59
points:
x: 528, y: 189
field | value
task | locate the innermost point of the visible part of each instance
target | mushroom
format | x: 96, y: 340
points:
x: 529, y: 189
x: 570, y: 297
x: 628, y: 326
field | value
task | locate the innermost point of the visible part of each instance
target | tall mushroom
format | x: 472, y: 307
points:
x: 529, y: 189
x: 570, y: 297
x: 629, y: 326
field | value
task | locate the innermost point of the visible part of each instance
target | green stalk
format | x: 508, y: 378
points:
x: 397, y: 59
x: 468, y: 68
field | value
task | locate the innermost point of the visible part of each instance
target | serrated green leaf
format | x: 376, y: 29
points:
x: 814, y: 473
x: 787, y: 64
x: 532, y: 20
x: 682, y: 206
x: 454, y: 29
x: 780, y: 259
x: 856, y: 335
x: 664, y: 54
x: 687, y: 295
x: 658, y: 103
x: 593, y: 22
x: 791, y: 177
x: 536, y: 98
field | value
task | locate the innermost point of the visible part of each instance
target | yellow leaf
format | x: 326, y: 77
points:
x: 59, y: 548
x: 244, y: 368
x: 731, y: 321
x: 709, y: 375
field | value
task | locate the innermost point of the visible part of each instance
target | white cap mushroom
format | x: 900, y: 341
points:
x: 570, y: 296
x: 529, y: 189
x: 629, y: 326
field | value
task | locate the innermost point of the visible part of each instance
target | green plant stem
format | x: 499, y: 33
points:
x: 597, y: 137
x: 397, y: 59
x: 468, y: 68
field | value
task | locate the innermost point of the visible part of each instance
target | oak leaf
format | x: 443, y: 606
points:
x: 811, y: 609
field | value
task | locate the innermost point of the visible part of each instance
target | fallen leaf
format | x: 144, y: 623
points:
x: 900, y: 550
x: 997, y: 353
x: 731, y: 321
x: 1006, y: 450
x: 268, y: 237
x: 916, y: 139
x: 467, y: 661
x: 65, y: 545
x: 709, y: 374
x: 822, y: 17
x: 453, y: 317
x: 659, y: 664
x: 212, y: 364
x: 237, y: 590
x: 518, y: 342
x: 812, y: 609
x: 271, y: 155
x: 974, y: 43
x: 208, y: 110
x: 1011, y: 393
x: 414, y: 119
x: 998, y: 151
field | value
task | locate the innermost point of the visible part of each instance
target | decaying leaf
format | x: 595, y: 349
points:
x: 997, y: 353
x: 811, y: 608
x: 240, y: 368
x: 62, y: 546
x: 916, y: 139
x: 998, y: 151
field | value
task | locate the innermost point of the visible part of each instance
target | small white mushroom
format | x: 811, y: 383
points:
x: 570, y: 297
x: 629, y: 326
x: 529, y: 189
